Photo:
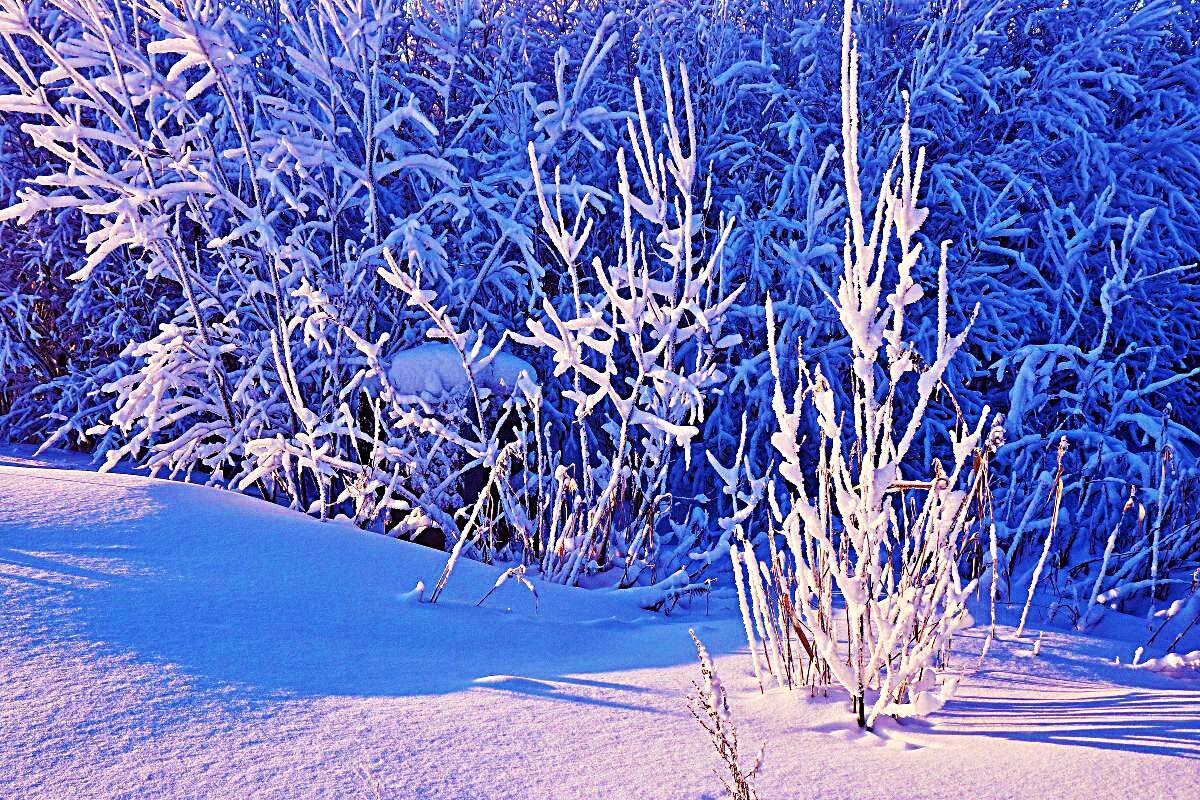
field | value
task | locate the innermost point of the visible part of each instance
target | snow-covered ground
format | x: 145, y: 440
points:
x: 166, y: 640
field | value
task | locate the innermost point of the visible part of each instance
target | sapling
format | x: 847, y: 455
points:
x: 895, y: 568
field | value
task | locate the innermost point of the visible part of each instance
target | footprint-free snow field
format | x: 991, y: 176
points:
x: 160, y: 639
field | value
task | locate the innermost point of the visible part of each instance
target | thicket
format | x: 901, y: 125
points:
x: 225, y: 220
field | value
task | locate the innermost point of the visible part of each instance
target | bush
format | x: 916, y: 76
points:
x: 212, y: 189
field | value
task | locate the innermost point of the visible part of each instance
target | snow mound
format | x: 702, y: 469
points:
x: 1179, y: 664
x: 434, y: 370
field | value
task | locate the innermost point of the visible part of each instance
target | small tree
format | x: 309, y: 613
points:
x: 887, y: 545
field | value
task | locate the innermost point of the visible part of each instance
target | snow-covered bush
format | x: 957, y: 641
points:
x: 639, y: 337
x: 222, y: 179
x: 256, y: 166
x: 862, y: 528
x: 59, y: 340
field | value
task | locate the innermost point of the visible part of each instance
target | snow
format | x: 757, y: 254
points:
x: 159, y: 639
x: 434, y: 370
x: 1175, y: 664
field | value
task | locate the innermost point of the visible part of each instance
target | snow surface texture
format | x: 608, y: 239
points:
x: 165, y: 640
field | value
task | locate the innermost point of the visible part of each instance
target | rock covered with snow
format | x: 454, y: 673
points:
x: 435, y: 370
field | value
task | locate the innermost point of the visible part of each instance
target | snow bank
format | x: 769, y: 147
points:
x: 168, y: 640
x: 434, y: 370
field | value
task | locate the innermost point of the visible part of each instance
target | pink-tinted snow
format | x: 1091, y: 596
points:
x: 164, y: 640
